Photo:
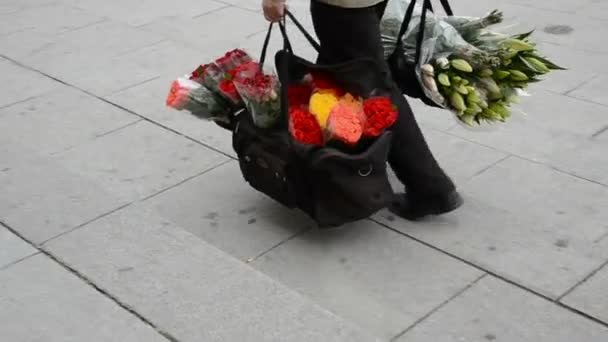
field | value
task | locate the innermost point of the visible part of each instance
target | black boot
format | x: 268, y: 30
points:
x: 414, y: 208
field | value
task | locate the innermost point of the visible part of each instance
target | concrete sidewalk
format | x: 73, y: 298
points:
x: 121, y: 220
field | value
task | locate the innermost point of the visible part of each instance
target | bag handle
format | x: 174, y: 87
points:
x: 307, y: 35
x: 426, y: 6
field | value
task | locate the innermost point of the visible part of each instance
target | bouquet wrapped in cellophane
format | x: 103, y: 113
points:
x: 463, y: 66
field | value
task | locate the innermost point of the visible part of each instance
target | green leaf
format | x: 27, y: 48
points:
x: 523, y: 35
x: 548, y: 63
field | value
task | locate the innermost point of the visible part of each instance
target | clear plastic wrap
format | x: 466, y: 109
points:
x: 193, y: 97
x: 260, y: 92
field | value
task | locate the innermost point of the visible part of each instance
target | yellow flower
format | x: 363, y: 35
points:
x: 320, y: 106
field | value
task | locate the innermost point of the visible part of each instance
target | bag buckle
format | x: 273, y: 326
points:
x: 365, y: 173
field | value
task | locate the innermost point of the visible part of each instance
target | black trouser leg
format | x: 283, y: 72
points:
x: 346, y: 34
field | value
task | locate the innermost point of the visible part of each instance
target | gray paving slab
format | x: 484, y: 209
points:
x: 552, y: 130
x: 461, y: 159
x: 131, y: 69
x: 493, y: 310
x: 189, y: 288
x: 594, y: 90
x: 147, y: 99
x: 41, y: 301
x: 21, y: 84
x: 582, y: 36
x: 222, y: 209
x: 548, y: 259
x: 382, y: 281
x: 540, y: 193
x: 582, y: 67
x: 13, y: 6
x: 594, y: 9
x: 555, y: 5
x: 41, y: 199
x: 86, y: 47
x: 141, y: 12
x: 591, y: 296
x: 60, y: 119
x: 139, y: 160
x: 210, y: 32
x: 13, y: 248
x: 51, y: 18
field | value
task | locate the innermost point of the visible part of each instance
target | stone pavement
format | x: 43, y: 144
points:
x: 124, y: 221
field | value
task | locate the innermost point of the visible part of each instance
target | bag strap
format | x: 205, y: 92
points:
x: 307, y: 35
x: 426, y: 6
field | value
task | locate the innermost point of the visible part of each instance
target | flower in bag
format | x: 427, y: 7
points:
x: 304, y: 127
x: 380, y: 114
x: 321, y: 104
x: 298, y: 95
x: 345, y: 122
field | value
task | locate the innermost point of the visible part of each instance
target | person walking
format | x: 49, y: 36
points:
x: 350, y: 29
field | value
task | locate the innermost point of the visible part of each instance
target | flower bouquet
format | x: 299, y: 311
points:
x: 463, y: 67
x: 209, y: 91
x: 331, y: 116
x: 260, y: 92
x: 186, y: 94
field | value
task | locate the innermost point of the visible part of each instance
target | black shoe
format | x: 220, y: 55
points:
x: 412, y: 208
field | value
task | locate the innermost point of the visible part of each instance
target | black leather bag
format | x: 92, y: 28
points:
x: 333, y: 187
x: 404, y: 71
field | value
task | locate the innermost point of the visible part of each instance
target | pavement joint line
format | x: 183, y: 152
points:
x: 185, y: 180
x: 289, y: 238
x: 18, y: 102
x: 598, y: 240
x: 584, y: 280
x: 132, y: 86
x: 114, y: 130
x: 554, y: 168
x: 213, y: 10
x: 580, y: 85
x: 438, y: 307
x: 480, y: 172
x: 494, y: 274
x: 599, y: 132
x: 119, y: 107
x: 82, y: 277
x: 237, y: 6
x: 126, y: 205
x: 99, y: 217
x: 5, y: 267
x: 135, y: 49
x: 586, y: 100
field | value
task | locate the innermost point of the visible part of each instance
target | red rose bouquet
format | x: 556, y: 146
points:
x: 380, y: 114
x: 186, y: 94
x: 260, y: 92
x: 304, y: 127
x: 232, y: 59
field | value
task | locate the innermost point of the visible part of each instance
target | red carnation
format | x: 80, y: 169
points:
x: 298, y: 95
x: 380, y: 114
x: 304, y: 127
